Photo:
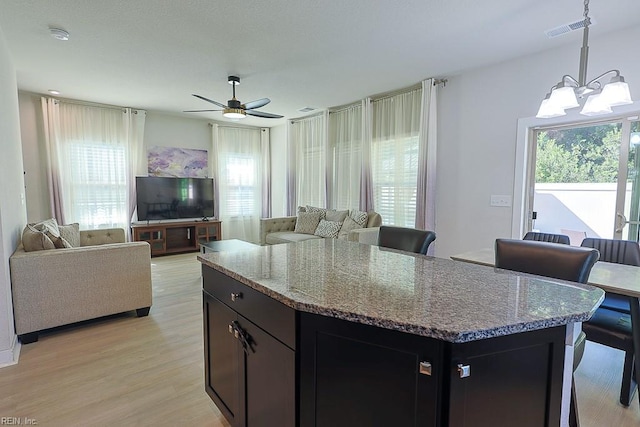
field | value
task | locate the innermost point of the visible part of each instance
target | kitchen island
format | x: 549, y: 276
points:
x: 334, y: 333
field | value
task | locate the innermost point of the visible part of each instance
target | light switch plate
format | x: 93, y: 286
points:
x: 501, y: 200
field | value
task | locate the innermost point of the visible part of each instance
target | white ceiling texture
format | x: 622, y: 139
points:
x: 153, y: 54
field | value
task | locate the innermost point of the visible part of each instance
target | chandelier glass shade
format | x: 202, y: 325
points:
x: 600, y: 96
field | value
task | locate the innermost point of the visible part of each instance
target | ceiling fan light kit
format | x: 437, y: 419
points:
x: 236, y: 110
x: 566, y: 93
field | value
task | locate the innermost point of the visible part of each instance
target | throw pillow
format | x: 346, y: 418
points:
x: 359, y: 216
x: 35, y: 240
x: 322, y: 211
x: 307, y: 222
x: 71, y: 233
x: 338, y: 216
x: 328, y: 229
x: 49, y: 226
x: 348, y: 225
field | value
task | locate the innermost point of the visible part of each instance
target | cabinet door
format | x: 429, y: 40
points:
x: 515, y: 380
x: 269, y: 379
x: 358, y: 375
x: 223, y: 380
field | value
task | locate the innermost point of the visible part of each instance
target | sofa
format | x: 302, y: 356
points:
x: 285, y: 229
x: 100, y: 276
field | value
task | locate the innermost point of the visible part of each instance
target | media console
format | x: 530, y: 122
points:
x: 176, y: 237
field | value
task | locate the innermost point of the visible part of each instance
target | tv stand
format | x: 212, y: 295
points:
x: 177, y: 237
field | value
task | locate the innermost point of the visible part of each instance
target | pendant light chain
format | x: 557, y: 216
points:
x: 586, y: 13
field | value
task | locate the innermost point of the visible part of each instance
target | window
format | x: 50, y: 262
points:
x: 98, y: 190
x: 345, y: 136
x: 239, y: 172
x: 395, y: 174
x: 240, y: 181
x: 394, y: 157
x: 309, y: 138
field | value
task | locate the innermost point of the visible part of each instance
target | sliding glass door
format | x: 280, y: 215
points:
x: 585, y: 180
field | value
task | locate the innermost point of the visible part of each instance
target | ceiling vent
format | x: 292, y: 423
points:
x: 306, y: 109
x: 566, y: 28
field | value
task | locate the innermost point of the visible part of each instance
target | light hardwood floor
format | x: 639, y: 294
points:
x: 129, y: 371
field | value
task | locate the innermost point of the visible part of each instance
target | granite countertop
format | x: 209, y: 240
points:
x: 435, y: 297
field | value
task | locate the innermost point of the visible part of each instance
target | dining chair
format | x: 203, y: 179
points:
x: 611, y: 323
x: 405, y: 239
x: 546, y: 237
x: 555, y: 261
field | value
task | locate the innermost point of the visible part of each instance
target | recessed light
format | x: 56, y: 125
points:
x: 59, y: 34
x: 54, y: 92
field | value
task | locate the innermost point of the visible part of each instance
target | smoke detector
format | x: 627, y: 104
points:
x: 59, y: 34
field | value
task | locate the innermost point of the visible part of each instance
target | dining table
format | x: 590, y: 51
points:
x: 612, y: 278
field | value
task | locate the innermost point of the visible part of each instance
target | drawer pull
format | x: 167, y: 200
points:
x: 235, y: 296
x: 464, y: 370
x: 425, y: 368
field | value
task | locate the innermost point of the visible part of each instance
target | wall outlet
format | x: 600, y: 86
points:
x: 501, y: 201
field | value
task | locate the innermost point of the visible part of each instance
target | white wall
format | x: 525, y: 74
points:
x: 12, y: 209
x: 478, y: 113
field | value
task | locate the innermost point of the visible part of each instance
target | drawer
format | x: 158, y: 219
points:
x: 274, y: 317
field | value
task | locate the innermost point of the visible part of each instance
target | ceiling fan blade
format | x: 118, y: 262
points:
x: 256, y: 104
x: 209, y: 100
x: 262, y: 114
x: 198, y: 111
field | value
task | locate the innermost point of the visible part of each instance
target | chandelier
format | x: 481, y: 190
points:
x: 566, y: 93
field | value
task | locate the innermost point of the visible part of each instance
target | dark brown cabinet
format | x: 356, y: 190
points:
x: 267, y: 364
x: 358, y: 375
x: 176, y: 237
x: 249, y: 373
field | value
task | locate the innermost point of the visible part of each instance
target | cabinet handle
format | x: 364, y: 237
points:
x: 230, y: 328
x: 464, y: 370
x: 425, y: 368
x: 235, y: 296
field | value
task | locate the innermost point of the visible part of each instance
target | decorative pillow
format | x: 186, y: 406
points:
x: 328, y: 229
x: 35, y: 240
x: 348, y: 225
x: 322, y: 211
x: 333, y: 215
x: 359, y: 216
x: 71, y: 234
x: 49, y: 226
x: 307, y: 222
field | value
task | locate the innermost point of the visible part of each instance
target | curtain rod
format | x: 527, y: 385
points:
x: 92, y: 104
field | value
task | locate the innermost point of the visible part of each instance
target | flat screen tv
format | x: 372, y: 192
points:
x: 161, y: 198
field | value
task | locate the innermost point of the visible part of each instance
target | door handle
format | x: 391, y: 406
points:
x: 622, y: 220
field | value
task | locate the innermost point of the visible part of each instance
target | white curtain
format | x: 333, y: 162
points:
x: 426, y: 204
x: 394, y: 156
x: 135, y: 120
x: 239, y: 156
x: 345, y: 136
x: 93, y: 156
x: 366, y: 182
x: 307, y: 139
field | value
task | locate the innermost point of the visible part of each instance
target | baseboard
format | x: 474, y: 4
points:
x: 11, y: 355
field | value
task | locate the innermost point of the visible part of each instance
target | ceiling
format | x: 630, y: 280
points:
x: 153, y: 54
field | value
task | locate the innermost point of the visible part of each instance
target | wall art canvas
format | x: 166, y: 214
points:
x: 177, y: 162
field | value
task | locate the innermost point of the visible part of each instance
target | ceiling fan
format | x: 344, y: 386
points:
x: 235, y: 109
